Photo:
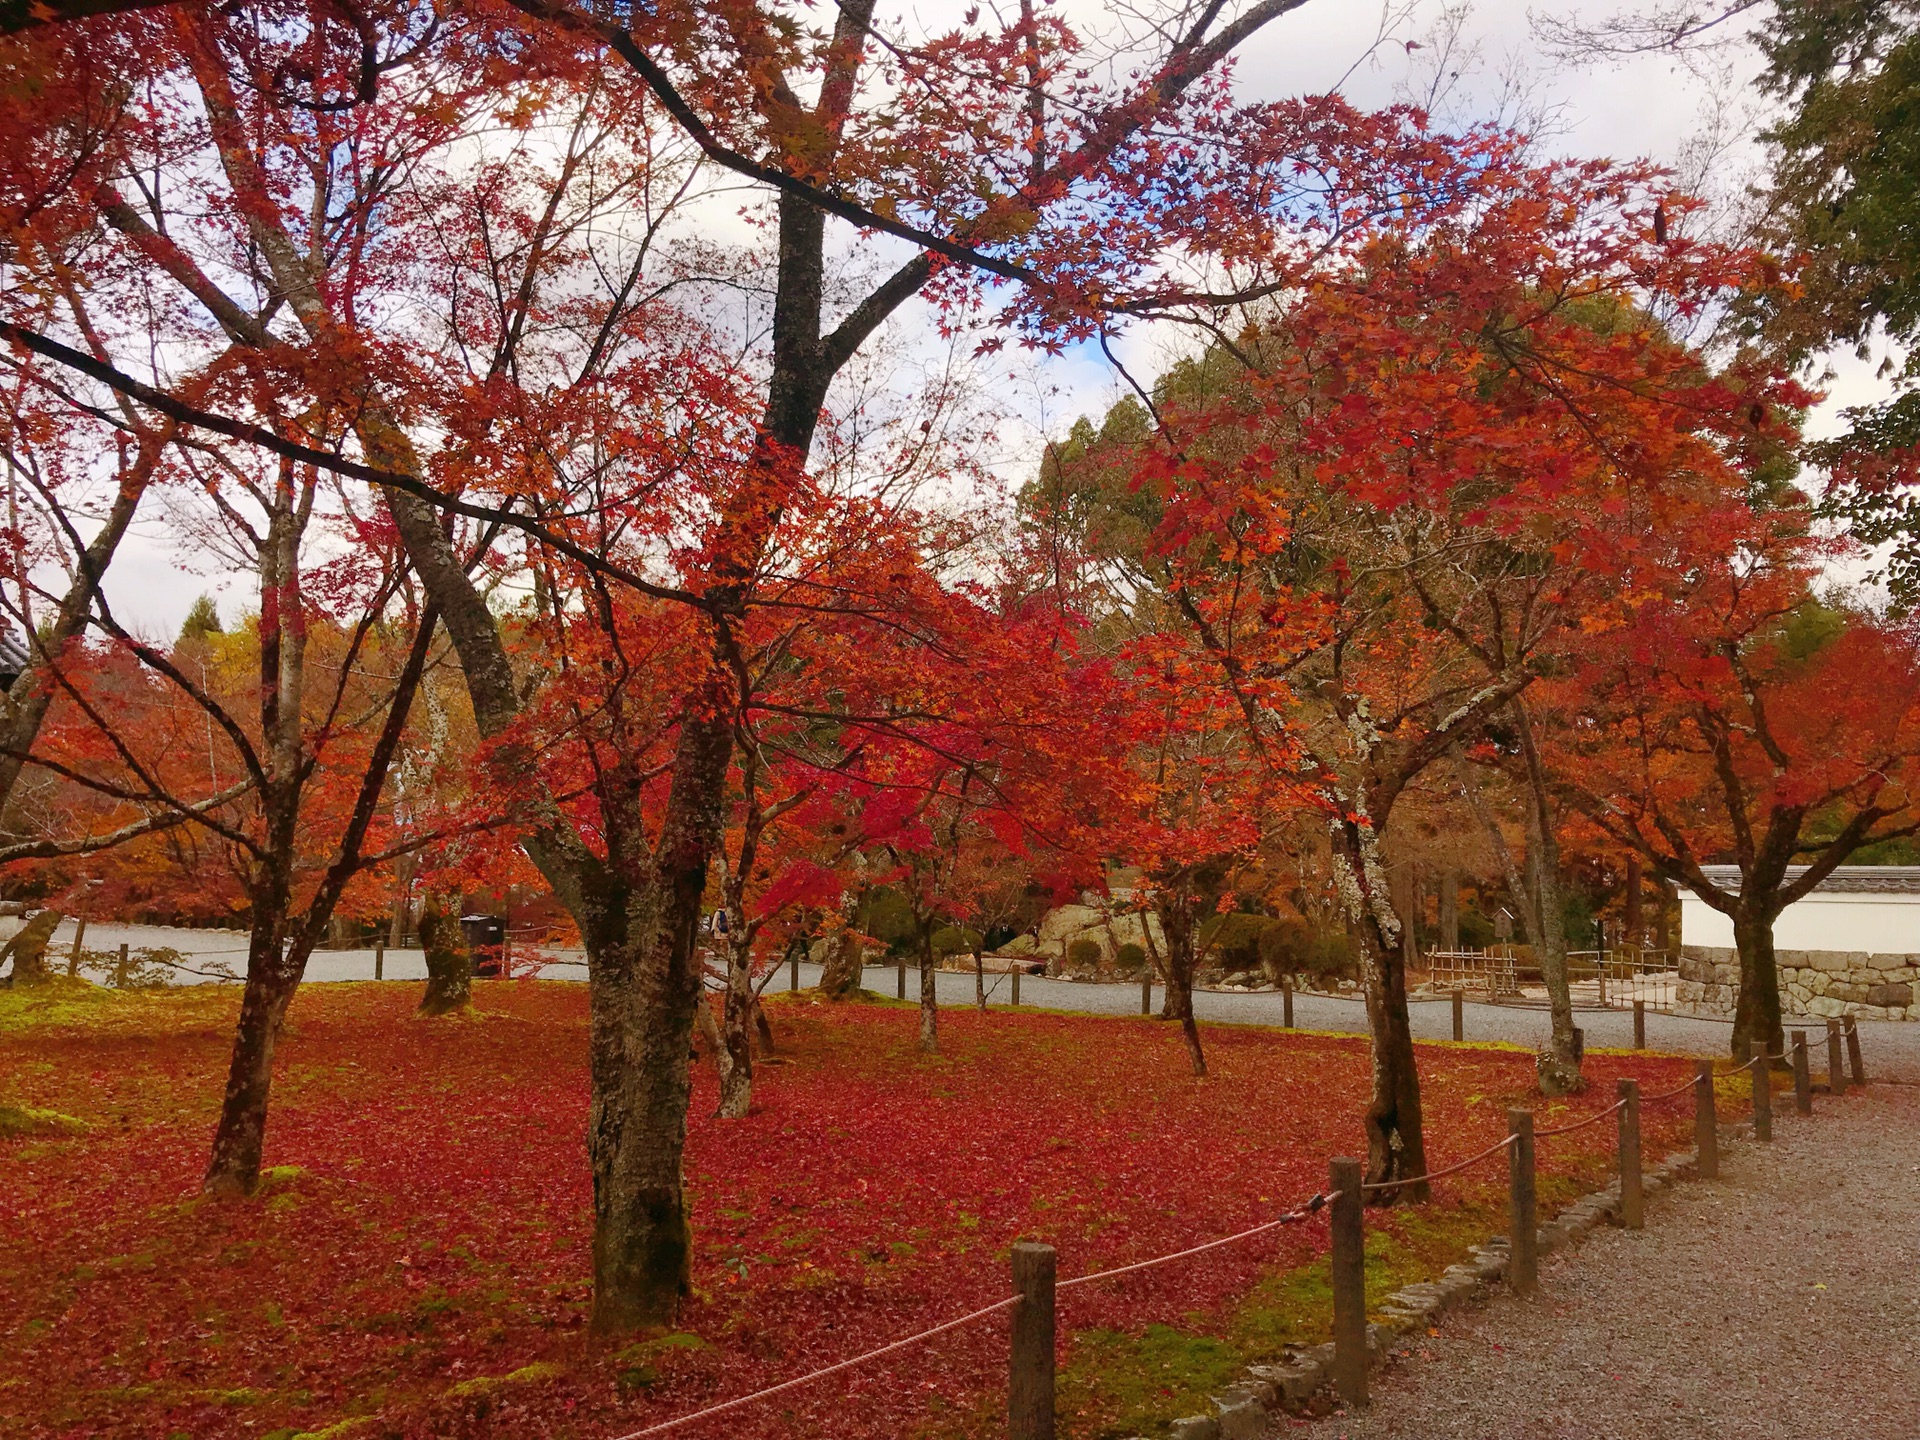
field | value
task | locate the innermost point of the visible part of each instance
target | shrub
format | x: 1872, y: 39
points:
x: 1084, y: 954
x: 888, y: 917
x: 1286, y: 947
x: 954, y: 940
x: 1335, y: 954
x: 1233, y: 940
x: 1129, y: 959
x: 1293, y: 947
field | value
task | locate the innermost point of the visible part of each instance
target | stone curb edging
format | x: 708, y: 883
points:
x: 1242, y: 1409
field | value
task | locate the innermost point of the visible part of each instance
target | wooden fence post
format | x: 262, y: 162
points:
x: 1854, y: 1062
x: 79, y: 950
x: 1639, y: 1024
x: 1030, y: 1375
x: 1802, y: 1075
x: 1459, y: 1013
x: 1706, y: 1124
x: 900, y: 989
x: 1016, y: 984
x: 1523, y: 1239
x: 793, y: 971
x: 1349, y: 1275
x: 379, y: 962
x: 1633, y: 1205
x: 1286, y: 1001
x: 120, y: 970
x: 1763, y: 1096
x: 1146, y: 990
x: 1836, y: 1072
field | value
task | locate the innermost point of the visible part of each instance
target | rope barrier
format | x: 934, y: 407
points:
x: 1292, y: 1217
x: 1296, y: 1215
x: 1438, y: 1174
x: 1668, y: 1094
x: 1580, y: 1124
x: 808, y: 1379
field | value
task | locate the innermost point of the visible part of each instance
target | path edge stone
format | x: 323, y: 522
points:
x: 1241, y: 1410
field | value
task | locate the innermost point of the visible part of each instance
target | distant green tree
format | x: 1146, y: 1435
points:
x: 202, y: 620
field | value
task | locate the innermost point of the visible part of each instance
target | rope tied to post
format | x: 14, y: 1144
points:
x: 821, y: 1374
x: 1304, y: 1211
x: 1299, y: 1213
x: 1594, y: 1119
x: 1378, y: 1185
x: 1686, y: 1089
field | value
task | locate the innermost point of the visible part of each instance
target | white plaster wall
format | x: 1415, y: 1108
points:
x: 1842, y: 920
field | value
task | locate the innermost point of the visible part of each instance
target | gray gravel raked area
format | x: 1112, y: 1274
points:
x: 1892, y: 1048
x: 1780, y: 1302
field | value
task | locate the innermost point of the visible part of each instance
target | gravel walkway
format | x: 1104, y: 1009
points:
x: 1781, y: 1302
x: 1892, y: 1048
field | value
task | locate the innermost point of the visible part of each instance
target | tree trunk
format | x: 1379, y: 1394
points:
x: 1406, y: 905
x: 1450, y: 908
x: 736, y: 1045
x: 1396, y: 1140
x: 644, y: 982
x: 763, y: 1029
x: 643, y: 997
x: 1559, y: 1064
x: 1756, y: 1013
x: 239, y: 1138
x: 929, y: 995
x: 449, y: 966
x: 840, y: 975
x: 28, y: 949
x: 1634, y: 929
x: 403, y: 872
x: 979, y: 981
x: 1176, y: 925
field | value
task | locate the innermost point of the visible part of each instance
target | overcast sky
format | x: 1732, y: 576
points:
x: 1652, y: 107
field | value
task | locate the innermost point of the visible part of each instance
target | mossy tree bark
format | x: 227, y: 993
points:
x: 28, y: 949
x: 449, y: 964
x: 840, y: 975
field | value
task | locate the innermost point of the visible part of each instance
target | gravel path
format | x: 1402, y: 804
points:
x: 1781, y: 1302
x: 1892, y: 1048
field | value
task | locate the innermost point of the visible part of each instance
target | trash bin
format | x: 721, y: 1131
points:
x: 484, y: 935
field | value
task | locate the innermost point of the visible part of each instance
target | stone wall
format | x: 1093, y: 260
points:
x: 1823, y: 984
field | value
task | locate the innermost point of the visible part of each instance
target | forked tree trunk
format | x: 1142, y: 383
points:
x: 643, y: 985
x: 1756, y: 1011
x: 449, y: 966
x: 1396, y: 1142
x: 642, y: 1028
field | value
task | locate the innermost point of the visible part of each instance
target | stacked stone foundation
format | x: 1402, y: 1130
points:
x: 1820, y: 984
